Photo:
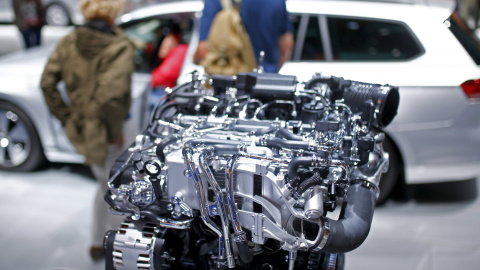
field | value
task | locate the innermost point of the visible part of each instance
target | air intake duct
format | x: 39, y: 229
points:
x: 376, y: 101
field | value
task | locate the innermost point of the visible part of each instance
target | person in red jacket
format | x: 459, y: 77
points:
x: 171, y: 54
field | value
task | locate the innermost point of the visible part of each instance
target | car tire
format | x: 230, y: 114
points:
x: 389, y: 178
x: 57, y: 14
x: 20, y: 147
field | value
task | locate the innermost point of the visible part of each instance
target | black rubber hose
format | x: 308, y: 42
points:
x: 221, y: 149
x: 333, y: 82
x: 157, y: 113
x: 260, y: 132
x: 182, y: 92
x: 281, y: 143
x: 256, y: 132
x: 286, y: 134
x: 316, y: 179
x: 295, y: 163
x: 352, y: 228
x: 386, y: 98
x: 164, y: 143
x: 245, y: 253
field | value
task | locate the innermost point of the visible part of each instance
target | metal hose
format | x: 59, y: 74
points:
x: 220, y: 206
x: 240, y: 237
x: 188, y: 158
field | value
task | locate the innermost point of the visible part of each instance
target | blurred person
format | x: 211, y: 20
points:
x: 171, y: 55
x: 267, y: 24
x: 96, y: 62
x: 29, y: 19
x: 469, y: 11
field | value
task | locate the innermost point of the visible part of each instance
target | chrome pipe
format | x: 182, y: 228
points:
x: 220, y: 206
x: 174, y: 224
x: 170, y: 125
x: 188, y: 158
x: 239, y: 236
x: 230, y: 196
x: 118, y: 172
x: 292, y: 256
x: 243, y: 113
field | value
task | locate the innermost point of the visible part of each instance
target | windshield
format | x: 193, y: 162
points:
x: 465, y: 36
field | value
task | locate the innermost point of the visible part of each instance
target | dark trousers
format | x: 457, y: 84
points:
x: 32, y: 37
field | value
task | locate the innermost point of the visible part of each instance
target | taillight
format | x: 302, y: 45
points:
x: 472, y: 89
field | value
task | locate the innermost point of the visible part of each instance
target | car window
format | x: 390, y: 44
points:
x: 308, y: 42
x: 312, y: 45
x: 147, y: 35
x: 371, y: 40
x: 465, y: 36
x: 295, y: 19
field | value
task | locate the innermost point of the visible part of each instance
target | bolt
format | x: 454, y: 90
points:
x: 176, y: 200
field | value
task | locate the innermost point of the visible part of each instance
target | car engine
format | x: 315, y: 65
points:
x: 254, y: 171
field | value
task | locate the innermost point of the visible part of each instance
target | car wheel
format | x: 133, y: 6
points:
x: 56, y: 14
x: 390, y: 178
x: 20, y: 147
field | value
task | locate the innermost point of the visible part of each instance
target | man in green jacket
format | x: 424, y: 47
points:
x: 96, y: 62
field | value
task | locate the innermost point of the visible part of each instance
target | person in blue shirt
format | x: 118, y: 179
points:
x: 267, y: 24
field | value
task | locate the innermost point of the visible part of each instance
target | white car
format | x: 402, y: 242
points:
x: 425, y: 50
x: 422, y: 49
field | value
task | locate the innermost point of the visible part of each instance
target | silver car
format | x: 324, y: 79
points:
x: 57, y: 12
x: 63, y: 12
x: 425, y: 50
x: 29, y: 133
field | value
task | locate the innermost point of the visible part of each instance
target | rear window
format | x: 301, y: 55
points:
x: 371, y: 40
x: 465, y: 36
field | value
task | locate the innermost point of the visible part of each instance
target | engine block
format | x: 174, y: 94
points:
x: 241, y: 172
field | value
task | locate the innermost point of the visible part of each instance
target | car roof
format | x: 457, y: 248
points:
x: 162, y: 8
x: 382, y: 9
x: 371, y: 9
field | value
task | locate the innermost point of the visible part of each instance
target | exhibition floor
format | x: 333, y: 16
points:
x: 45, y: 221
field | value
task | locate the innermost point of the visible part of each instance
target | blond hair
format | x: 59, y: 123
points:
x: 106, y: 10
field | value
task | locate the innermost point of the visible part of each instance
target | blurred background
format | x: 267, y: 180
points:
x: 428, y: 215
x: 61, y: 14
